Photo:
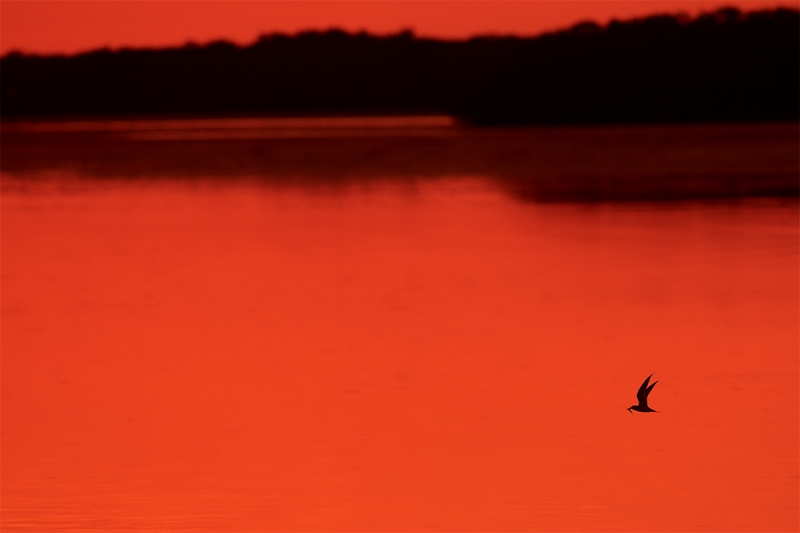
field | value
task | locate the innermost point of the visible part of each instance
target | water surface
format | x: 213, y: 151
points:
x: 245, y: 354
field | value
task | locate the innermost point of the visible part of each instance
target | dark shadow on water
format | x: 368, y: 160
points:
x: 575, y: 164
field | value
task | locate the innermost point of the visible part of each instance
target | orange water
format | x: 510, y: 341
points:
x: 433, y: 355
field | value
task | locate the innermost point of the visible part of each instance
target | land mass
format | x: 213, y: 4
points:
x: 718, y: 67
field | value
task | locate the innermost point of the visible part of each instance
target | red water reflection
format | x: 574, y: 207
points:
x: 429, y: 356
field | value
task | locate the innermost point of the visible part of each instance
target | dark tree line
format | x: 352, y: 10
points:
x: 723, y: 66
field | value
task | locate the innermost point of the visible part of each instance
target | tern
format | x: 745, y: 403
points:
x: 644, y: 392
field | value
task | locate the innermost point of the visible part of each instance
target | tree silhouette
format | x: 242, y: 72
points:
x: 722, y: 66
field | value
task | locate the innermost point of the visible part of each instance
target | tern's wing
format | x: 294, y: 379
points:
x: 647, y: 393
x: 644, y: 391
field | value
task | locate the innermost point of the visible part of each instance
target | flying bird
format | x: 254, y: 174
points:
x: 644, y: 392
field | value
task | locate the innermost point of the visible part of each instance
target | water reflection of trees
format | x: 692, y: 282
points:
x: 541, y: 163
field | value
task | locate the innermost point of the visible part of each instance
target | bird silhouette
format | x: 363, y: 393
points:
x: 641, y: 395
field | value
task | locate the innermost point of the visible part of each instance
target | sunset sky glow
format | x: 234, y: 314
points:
x: 67, y: 27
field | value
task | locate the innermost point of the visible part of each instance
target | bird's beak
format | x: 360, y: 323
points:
x: 629, y: 410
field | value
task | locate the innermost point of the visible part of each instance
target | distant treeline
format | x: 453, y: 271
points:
x: 722, y: 66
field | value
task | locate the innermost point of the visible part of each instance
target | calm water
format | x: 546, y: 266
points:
x: 242, y: 353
